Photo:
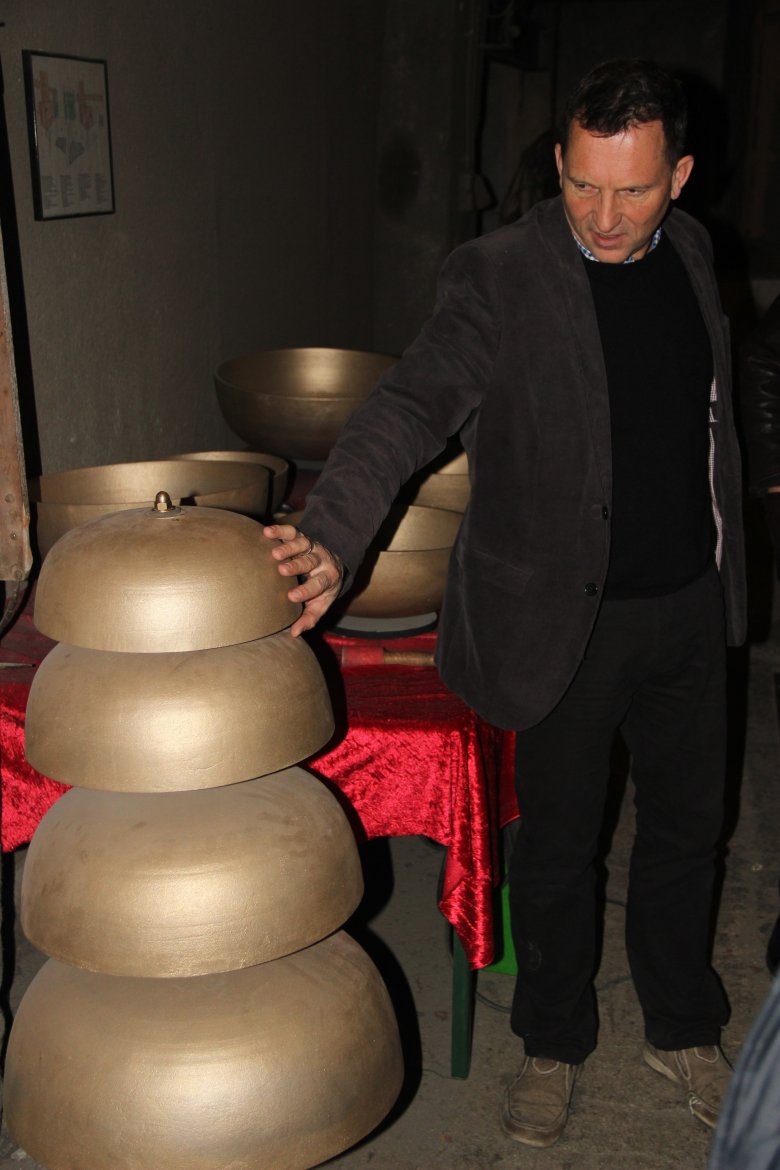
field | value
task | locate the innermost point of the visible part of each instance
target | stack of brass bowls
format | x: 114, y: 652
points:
x: 294, y: 402
x: 200, y: 1005
x: 405, y: 569
x: 64, y: 499
x: 446, y: 486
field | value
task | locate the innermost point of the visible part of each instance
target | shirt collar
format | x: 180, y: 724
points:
x: 629, y: 259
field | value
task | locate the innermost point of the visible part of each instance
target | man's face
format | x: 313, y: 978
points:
x: 616, y: 190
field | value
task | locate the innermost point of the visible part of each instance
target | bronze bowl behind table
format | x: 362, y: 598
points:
x: 279, y: 468
x: 65, y: 499
x: 405, y: 569
x: 294, y: 402
x: 405, y: 573
x: 450, y: 492
x: 442, y: 485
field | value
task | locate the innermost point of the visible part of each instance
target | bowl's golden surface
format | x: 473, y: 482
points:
x: 188, y: 883
x: 417, y: 529
x: 279, y: 468
x: 174, y: 722
x: 443, y: 483
x: 149, y: 582
x: 294, y: 402
x: 441, y: 490
x: 405, y: 570
x: 52, y: 521
x: 458, y: 465
x: 400, y: 584
x: 275, y: 1067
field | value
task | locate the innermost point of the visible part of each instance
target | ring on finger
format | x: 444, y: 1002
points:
x: 312, y: 543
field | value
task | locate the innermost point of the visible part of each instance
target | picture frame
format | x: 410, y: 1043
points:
x: 70, y: 135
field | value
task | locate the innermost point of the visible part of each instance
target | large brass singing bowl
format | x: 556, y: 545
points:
x: 176, y: 722
x: 408, y: 576
x: 275, y: 1067
x: 187, y: 883
x: 152, y: 581
x: 278, y: 467
x: 294, y: 402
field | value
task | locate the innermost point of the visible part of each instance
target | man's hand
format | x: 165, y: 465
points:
x: 321, y: 573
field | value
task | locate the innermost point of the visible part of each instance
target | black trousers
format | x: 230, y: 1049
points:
x: 655, y: 670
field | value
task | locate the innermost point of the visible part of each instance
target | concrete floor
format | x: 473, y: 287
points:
x: 624, y: 1116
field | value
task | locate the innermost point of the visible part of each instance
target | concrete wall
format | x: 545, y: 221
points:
x: 243, y: 148
x: 426, y: 137
x: 528, y: 86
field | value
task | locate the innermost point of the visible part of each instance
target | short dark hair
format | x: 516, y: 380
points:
x: 625, y: 92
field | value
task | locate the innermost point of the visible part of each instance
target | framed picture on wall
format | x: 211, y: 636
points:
x: 70, y: 135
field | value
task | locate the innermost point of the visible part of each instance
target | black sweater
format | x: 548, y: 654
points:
x: 659, y: 367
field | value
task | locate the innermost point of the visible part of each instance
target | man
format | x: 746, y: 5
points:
x: 581, y: 355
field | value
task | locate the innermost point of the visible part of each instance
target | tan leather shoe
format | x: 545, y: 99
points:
x: 703, y: 1072
x: 536, y: 1105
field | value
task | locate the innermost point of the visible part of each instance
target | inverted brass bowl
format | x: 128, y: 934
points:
x: 294, y: 402
x: 275, y: 1067
x: 176, y: 722
x: 186, y: 883
x: 156, y: 582
x: 279, y: 468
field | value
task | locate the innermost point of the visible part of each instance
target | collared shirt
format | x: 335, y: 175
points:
x: 629, y: 259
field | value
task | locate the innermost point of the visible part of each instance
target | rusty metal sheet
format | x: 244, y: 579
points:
x: 15, y: 552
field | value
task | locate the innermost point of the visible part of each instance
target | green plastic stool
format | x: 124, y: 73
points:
x: 464, y: 981
x: 505, y: 960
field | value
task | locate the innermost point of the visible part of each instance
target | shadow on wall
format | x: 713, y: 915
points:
x: 703, y: 196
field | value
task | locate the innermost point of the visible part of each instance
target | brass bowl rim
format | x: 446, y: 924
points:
x: 278, y: 462
x: 246, y: 472
x: 307, y: 399
x: 224, y: 379
x: 308, y: 349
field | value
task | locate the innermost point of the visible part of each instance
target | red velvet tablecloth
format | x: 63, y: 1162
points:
x: 408, y: 758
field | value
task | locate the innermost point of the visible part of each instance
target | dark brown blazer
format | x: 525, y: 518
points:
x: 512, y: 359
